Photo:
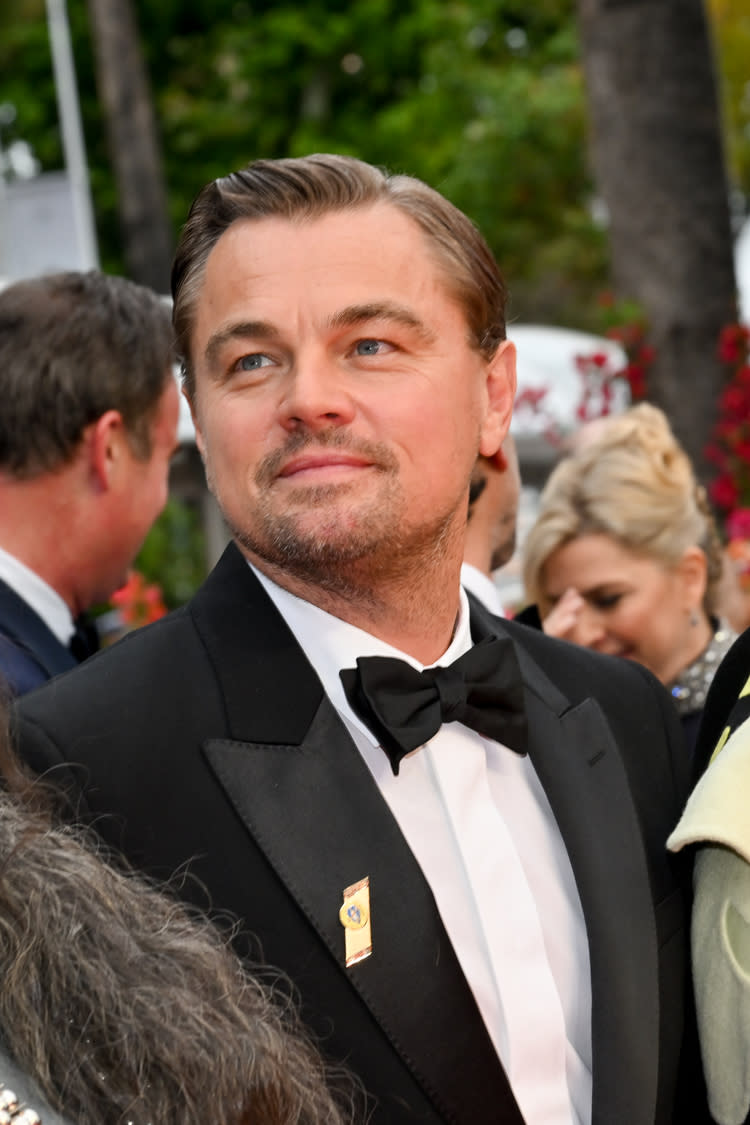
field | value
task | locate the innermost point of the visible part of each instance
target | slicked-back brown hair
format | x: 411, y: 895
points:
x: 305, y: 188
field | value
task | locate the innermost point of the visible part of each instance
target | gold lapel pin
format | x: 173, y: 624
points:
x: 354, y: 916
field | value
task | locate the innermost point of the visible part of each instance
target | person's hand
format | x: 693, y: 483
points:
x: 561, y: 621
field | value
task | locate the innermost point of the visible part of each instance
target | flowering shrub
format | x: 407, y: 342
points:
x: 607, y: 387
x: 139, y: 602
x: 631, y: 335
x: 530, y: 411
x: 622, y: 321
x: 729, y: 449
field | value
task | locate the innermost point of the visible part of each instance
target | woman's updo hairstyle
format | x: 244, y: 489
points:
x: 634, y: 482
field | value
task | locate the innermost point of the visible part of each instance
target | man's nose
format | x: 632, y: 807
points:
x: 317, y: 395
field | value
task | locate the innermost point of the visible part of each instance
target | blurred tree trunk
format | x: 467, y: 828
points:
x: 133, y: 141
x: 659, y: 165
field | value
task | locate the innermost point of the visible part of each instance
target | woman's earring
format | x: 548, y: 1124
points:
x: 694, y: 618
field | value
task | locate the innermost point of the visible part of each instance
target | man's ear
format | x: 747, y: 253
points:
x: 499, y: 460
x: 103, y: 441
x: 501, y: 391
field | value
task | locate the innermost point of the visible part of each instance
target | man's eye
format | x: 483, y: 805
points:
x: 253, y: 362
x: 371, y: 347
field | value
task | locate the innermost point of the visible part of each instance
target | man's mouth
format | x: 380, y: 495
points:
x: 329, y: 463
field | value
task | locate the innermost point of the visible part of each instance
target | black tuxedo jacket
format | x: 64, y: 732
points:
x: 731, y: 677
x: 205, y: 744
x: 30, y: 653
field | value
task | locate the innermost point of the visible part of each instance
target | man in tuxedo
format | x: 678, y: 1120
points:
x: 87, y: 428
x: 461, y: 868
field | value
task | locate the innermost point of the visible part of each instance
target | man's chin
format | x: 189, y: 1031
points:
x: 316, y: 550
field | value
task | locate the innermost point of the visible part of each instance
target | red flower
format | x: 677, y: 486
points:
x: 531, y: 396
x: 733, y: 400
x: 729, y: 351
x: 138, y: 601
x: 727, y: 429
x: 724, y: 492
x: 715, y: 455
x: 636, y: 377
x: 733, y: 342
x: 738, y: 524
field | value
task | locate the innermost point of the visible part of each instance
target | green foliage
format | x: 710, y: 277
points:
x: 174, y: 553
x: 482, y: 98
x: 731, y: 24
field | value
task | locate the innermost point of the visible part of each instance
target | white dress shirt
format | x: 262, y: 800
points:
x: 478, y: 822
x: 46, y: 602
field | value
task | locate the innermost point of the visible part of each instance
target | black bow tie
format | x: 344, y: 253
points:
x: 85, y: 639
x: 404, y: 708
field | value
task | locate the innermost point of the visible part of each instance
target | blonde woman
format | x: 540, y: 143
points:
x: 624, y: 558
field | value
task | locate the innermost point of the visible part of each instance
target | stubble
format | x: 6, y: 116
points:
x: 327, y: 537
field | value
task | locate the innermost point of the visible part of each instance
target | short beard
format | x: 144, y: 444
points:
x: 348, y: 558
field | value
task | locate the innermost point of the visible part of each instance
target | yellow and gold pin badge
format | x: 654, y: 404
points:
x: 354, y: 916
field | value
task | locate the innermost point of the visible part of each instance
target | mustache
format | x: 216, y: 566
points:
x: 376, y: 452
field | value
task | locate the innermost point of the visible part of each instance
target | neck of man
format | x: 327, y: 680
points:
x: 39, y: 526
x: 413, y: 607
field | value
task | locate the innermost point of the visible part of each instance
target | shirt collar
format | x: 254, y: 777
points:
x: 330, y: 644
x: 482, y: 586
x: 39, y: 595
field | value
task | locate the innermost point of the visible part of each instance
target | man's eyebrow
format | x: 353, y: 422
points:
x: 240, y: 330
x: 380, y: 310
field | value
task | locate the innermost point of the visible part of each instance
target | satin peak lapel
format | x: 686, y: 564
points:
x: 578, y: 763
x: 343, y: 832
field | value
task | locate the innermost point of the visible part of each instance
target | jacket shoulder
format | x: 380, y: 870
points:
x: 19, y: 668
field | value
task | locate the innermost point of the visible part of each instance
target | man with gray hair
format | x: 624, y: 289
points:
x: 87, y: 428
x: 447, y: 829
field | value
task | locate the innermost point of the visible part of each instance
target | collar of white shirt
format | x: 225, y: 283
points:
x: 482, y: 587
x: 39, y: 595
x: 331, y: 644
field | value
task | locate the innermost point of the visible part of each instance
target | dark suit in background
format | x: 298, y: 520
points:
x: 88, y: 424
x: 30, y: 653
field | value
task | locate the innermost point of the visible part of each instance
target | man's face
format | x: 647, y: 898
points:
x: 339, y: 406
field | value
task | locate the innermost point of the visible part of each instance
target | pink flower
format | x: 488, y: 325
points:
x: 738, y: 524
